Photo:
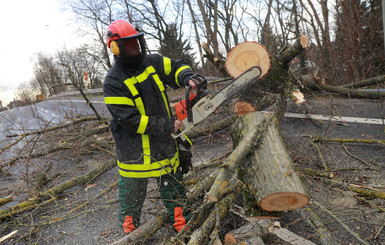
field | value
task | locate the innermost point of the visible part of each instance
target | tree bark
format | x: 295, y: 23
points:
x: 51, y: 193
x: 365, y: 82
x: 250, y: 230
x: 269, y: 175
x: 207, y: 227
x: 145, y: 230
x: 250, y: 138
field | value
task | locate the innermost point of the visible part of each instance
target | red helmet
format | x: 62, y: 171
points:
x: 121, y: 29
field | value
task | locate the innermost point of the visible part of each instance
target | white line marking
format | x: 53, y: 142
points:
x: 334, y: 118
x: 78, y: 101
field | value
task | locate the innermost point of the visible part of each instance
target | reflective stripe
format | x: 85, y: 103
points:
x: 142, y: 77
x: 148, y: 169
x: 143, y: 124
x: 154, y: 169
x: 161, y: 88
x: 146, y: 149
x: 139, y: 105
x: 118, y: 101
x: 177, y: 73
x: 130, y: 84
x: 167, y: 65
x: 188, y: 139
x: 143, y: 121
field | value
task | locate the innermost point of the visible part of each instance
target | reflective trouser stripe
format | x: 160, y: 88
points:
x: 154, y: 169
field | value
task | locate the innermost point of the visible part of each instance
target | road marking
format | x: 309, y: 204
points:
x: 78, y: 101
x: 377, y: 121
x: 337, y: 119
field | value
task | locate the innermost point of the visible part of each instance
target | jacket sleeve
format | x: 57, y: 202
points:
x: 175, y: 73
x: 122, y: 106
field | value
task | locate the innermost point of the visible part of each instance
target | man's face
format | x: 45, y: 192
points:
x: 130, y: 47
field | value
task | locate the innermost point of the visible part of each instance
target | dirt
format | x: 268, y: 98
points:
x: 82, y: 216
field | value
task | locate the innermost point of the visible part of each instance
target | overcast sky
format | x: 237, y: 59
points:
x: 29, y: 27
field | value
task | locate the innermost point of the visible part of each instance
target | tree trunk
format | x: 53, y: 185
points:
x: 208, y: 226
x: 250, y: 230
x: 56, y: 190
x: 243, y: 148
x: 269, y: 175
x: 365, y: 82
x: 145, y: 230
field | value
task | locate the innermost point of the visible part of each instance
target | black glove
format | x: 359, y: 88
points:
x: 185, y: 159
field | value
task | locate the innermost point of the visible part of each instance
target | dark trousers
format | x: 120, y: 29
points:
x: 132, y: 193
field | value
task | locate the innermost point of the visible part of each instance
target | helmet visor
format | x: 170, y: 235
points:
x: 129, y: 47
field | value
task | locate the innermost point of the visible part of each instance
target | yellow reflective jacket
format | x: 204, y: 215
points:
x: 142, y: 121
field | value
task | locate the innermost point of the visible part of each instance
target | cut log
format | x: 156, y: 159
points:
x: 250, y: 230
x: 243, y: 148
x: 269, y: 175
x: 242, y: 108
x: 246, y: 55
x: 252, y: 210
x: 277, y: 84
x: 261, y: 229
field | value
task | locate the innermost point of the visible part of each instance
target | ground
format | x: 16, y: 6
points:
x: 87, y: 214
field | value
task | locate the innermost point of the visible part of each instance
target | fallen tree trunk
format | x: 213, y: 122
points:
x: 252, y: 229
x: 51, y: 193
x: 196, y: 132
x: 317, y: 138
x: 245, y: 146
x: 269, y: 175
x: 314, y: 83
x: 365, y: 191
x: 351, y: 93
x: 365, y: 82
x: 315, y: 221
x: 145, y: 230
x: 261, y: 229
x: 201, y: 234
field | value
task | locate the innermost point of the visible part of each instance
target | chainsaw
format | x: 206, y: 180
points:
x: 198, y: 106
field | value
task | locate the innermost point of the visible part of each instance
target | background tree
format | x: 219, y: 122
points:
x: 47, y: 75
x: 358, y: 44
x: 173, y: 47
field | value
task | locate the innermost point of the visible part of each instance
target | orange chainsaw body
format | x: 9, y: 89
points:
x: 181, y: 108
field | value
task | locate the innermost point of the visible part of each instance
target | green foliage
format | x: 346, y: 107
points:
x: 174, y: 47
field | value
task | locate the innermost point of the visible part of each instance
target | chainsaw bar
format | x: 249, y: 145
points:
x: 207, y: 105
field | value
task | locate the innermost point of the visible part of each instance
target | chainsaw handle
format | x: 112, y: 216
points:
x: 201, y: 86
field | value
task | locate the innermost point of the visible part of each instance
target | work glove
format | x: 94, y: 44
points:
x: 185, y: 157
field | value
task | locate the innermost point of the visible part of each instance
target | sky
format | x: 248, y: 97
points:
x: 29, y: 27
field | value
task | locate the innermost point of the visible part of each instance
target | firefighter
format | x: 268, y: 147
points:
x: 142, y: 124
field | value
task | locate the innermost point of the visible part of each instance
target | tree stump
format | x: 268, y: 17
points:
x: 268, y: 174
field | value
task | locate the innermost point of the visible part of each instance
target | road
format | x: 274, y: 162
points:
x: 47, y: 113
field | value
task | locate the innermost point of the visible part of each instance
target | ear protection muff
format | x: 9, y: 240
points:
x: 114, y: 46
